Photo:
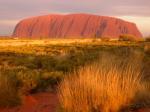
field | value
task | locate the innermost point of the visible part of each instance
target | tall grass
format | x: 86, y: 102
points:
x: 106, y: 86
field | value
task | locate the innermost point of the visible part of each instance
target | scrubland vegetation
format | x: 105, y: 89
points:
x: 28, y: 68
x: 127, y: 38
x: 105, y: 86
x: 148, y: 39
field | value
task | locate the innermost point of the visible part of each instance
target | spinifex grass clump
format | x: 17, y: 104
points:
x: 9, y: 94
x: 102, y: 87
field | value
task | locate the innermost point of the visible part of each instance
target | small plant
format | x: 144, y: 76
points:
x: 9, y: 94
x: 147, y: 49
x: 104, y: 87
x: 147, y: 39
x: 127, y: 37
x: 29, y: 81
x: 105, y: 39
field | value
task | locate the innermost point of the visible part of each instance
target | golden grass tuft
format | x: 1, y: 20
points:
x: 101, y: 87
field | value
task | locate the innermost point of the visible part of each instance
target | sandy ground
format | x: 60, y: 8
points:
x: 41, y: 102
x: 143, y: 110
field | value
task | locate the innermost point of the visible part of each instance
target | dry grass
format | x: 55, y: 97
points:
x: 102, y: 87
x: 43, y: 42
x: 28, y: 42
x: 40, y: 63
x: 9, y: 94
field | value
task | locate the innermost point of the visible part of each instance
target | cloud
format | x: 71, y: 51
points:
x: 19, y: 9
x: 104, y: 7
x: 8, y: 22
x: 143, y: 23
x: 7, y: 26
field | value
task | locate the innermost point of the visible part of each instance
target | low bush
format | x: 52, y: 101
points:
x: 9, y: 94
x: 147, y: 49
x: 105, y: 39
x: 142, y: 98
x: 126, y: 37
x: 29, y: 80
x: 49, y: 80
x: 147, y: 39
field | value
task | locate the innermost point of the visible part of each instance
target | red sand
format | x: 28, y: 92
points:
x: 41, y: 102
x: 144, y: 110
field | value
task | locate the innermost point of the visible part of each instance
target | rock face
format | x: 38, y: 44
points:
x: 74, y: 25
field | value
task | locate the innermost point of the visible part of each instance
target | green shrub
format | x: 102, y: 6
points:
x: 127, y: 37
x: 29, y: 80
x: 49, y: 80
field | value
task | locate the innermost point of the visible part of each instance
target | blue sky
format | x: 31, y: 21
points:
x: 12, y: 11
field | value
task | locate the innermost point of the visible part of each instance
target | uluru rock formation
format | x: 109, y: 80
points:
x: 74, y: 25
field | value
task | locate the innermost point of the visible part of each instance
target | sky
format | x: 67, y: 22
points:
x: 12, y: 11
